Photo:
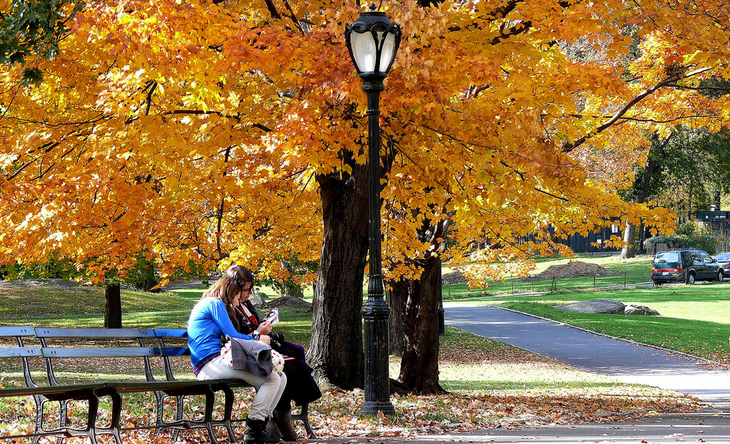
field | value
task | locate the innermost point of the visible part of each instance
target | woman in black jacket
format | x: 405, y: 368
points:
x: 300, y: 386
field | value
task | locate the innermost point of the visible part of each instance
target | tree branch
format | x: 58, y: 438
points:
x: 570, y: 146
x: 510, y: 32
x: 272, y: 9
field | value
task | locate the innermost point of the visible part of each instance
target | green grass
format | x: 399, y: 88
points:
x: 630, y: 271
x: 694, y: 319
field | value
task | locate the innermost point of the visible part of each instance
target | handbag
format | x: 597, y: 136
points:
x: 277, y: 360
x: 253, y: 357
x: 286, y: 348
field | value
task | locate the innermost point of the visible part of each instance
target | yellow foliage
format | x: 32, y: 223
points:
x: 192, y: 130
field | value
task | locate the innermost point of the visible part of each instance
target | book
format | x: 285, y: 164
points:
x: 272, y: 317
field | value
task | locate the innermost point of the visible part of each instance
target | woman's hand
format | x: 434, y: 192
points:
x: 265, y: 339
x: 264, y: 328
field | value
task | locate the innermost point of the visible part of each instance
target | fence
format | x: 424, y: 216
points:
x: 515, y: 285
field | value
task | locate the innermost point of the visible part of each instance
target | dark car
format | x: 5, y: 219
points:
x: 685, y: 266
x: 723, y: 260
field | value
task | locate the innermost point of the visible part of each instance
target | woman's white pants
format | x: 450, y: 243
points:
x: 268, y: 390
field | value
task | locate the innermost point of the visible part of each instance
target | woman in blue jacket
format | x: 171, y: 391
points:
x: 210, y: 320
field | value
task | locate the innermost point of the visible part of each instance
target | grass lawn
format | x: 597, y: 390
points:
x: 490, y: 384
x: 694, y: 319
x: 630, y: 271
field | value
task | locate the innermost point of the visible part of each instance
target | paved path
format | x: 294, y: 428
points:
x: 590, y: 352
x: 623, y: 360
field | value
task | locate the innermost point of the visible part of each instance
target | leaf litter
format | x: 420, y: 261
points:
x: 506, y: 388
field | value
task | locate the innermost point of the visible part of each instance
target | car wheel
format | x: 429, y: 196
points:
x: 691, y: 279
x: 720, y: 276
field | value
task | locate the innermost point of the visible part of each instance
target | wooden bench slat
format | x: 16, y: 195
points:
x: 101, y: 352
x: 171, y: 332
x: 92, y: 333
x: 20, y: 352
x: 24, y: 331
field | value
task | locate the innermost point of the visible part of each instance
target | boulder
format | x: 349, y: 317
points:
x: 632, y: 309
x: 258, y: 298
x: 608, y: 306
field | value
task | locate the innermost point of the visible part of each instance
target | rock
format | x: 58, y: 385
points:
x: 632, y: 309
x: 608, y: 306
x: 258, y: 298
x: 453, y: 278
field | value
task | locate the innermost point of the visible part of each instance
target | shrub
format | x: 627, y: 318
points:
x: 698, y: 242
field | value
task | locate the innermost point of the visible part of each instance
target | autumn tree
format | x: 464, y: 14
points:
x: 198, y: 133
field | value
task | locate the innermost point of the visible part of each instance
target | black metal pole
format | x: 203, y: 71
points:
x: 441, y: 313
x: 375, y: 311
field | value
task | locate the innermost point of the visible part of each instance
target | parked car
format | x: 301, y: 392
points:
x: 685, y: 266
x: 724, y: 261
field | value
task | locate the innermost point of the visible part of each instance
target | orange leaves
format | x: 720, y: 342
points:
x: 196, y: 130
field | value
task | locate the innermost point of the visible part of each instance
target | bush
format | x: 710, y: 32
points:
x: 706, y: 242
x: 142, y: 276
x: 687, y: 229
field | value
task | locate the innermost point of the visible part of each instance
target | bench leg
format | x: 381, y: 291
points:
x: 228, y: 412
x: 93, y: 412
x: 179, y: 414
x: 62, y: 417
x: 116, y: 416
x: 40, y: 402
x: 304, y: 417
x: 209, y: 404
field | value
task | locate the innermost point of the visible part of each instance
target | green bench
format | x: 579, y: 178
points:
x: 148, y: 350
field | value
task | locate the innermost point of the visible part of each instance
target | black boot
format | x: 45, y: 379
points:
x: 273, y: 429
x: 283, y: 423
x: 255, y: 432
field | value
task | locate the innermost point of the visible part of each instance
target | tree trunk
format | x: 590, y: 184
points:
x: 415, y: 318
x: 419, y: 327
x: 113, y: 306
x: 396, y: 296
x: 335, y: 351
x: 642, y: 190
x: 629, y: 248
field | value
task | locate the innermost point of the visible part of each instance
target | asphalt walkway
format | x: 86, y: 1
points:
x: 626, y: 361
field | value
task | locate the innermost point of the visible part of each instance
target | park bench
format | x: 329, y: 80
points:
x: 146, y: 352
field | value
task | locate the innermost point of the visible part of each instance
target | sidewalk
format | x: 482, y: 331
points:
x: 626, y: 361
x: 629, y: 362
x: 591, y: 352
x: 704, y: 427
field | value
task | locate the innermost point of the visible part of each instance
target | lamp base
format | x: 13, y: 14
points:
x: 372, y: 408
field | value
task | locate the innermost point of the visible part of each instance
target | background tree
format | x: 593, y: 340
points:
x: 686, y: 172
x: 33, y: 27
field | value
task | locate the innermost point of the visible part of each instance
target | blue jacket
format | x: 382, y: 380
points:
x: 207, y: 323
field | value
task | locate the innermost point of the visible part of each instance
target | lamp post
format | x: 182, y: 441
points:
x: 373, y: 42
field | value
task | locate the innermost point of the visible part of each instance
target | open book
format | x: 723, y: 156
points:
x: 272, y: 317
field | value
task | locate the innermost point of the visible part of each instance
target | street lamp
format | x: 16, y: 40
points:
x: 373, y: 42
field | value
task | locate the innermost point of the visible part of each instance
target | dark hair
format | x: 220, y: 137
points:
x: 240, y: 275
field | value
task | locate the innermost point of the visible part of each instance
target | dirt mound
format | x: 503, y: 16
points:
x: 571, y: 269
x: 288, y: 302
x: 452, y: 278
